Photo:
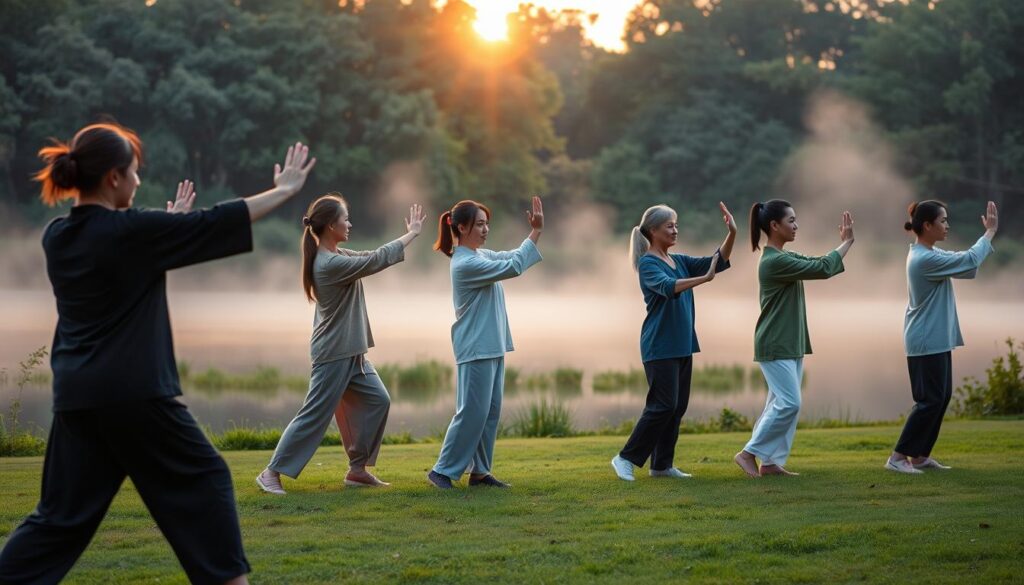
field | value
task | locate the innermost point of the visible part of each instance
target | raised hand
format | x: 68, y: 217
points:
x: 184, y: 199
x: 991, y: 218
x: 414, y: 224
x: 711, y: 271
x: 727, y: 217
x: 536, y: 215
x: 292, y: 176
x: 846, y: 227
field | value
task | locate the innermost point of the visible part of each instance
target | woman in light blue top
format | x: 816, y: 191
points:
x: 931, y: 329
x: 480, y: 337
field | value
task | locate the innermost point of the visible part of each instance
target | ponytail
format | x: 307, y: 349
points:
x: 79, y: 166
x: 638, y: 246
x: 761, y: 217
x: 445, y: 242
x: 322, y: 213
x: 640, y: 238
x: 755, y: 226
x: 464, y: 213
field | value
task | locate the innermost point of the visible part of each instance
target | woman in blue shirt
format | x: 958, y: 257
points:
x: 931, y: 329
x: 667, y: 339
x: 480, y: 337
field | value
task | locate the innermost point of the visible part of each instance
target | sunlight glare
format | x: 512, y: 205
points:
x: 490, y: 22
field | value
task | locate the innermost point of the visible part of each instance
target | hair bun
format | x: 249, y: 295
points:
x: 65, y: 171
x: 306, y: 221
x: 908, y: 226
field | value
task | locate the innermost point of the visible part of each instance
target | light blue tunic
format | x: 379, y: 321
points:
x: 931, y: 325
x: 481, y: 324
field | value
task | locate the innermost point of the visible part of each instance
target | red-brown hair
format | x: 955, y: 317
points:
x: 79, y: 167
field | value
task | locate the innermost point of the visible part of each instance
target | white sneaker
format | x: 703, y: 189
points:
x: 670, y: 472
x: 901, y: 466
x: 623, y: 468
x: 270, y: 482
x: 930, y: 463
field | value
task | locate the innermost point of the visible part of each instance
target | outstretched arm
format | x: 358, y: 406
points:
x: 845, y: 234
x: 730, y: 238
x: 288, y: 180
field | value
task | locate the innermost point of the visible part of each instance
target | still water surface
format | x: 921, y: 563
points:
x: 858, y: 369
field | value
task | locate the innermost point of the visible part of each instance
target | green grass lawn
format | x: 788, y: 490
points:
x: 568, y: 519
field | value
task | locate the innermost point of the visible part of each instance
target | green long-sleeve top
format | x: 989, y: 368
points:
x: 781, y: 331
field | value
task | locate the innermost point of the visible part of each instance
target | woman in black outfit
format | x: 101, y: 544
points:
x: 114, y: 375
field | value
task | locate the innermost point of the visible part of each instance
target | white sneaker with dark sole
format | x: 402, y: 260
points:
x: 901, y: 466
x: 670, y: 472
x: 623, y: 468
x: 930, y: 463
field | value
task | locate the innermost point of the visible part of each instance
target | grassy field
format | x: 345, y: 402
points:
x: 568, y: 519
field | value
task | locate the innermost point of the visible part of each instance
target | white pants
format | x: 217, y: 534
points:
x: 772, y: 439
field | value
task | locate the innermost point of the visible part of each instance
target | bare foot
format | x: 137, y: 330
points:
x: 747, y: 463
x: 772, y: 469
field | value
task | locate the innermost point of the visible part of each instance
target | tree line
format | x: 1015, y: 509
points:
x: 706, y: 103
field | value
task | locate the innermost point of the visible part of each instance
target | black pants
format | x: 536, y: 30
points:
x: 181, y: 478
x: 656, y: 432
x: 931, y: 382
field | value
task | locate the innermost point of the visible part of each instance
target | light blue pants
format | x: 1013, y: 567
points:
x: 772, y: 439
x: 353, y: 384
x: 471, y: 434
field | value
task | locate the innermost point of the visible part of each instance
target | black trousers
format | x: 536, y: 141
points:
x: 931, y: 382
x: 657, y: 431
x: 181, y: 478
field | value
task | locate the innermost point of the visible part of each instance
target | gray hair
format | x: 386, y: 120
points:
x: 640, y: 238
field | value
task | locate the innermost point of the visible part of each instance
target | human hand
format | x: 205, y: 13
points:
x: 184, y: 198
x: 292, y: 176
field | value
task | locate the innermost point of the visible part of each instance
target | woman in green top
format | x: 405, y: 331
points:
x: 780, y: 338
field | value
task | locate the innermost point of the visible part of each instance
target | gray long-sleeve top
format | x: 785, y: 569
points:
x: 341, y: 327
x: 481, y: 323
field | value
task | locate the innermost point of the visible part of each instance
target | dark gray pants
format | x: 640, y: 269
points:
x: 657, y: 431
x: 180, y: 477
x: 351, y: 389
x: 931, y: 383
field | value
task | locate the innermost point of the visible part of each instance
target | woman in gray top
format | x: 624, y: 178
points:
x: 343, y: 383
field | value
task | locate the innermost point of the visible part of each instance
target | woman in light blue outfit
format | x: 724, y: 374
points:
x: 480, y: 337
x: 931, y: 329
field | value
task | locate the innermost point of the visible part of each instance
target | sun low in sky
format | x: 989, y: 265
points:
x: 605, y: 31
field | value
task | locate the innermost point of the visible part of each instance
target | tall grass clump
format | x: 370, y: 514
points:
x: 719, y: 378
x: 13, y: 441
x: 1001, y: 394
x: 542, y: 419
x: 616, y: 381
x: 568, y: 378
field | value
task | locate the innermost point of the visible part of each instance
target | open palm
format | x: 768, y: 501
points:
x: 293, y: 175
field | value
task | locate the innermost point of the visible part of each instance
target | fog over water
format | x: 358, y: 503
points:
x: 580, y: 308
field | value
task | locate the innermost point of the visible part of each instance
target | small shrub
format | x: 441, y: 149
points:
x: 1003, y: 392
x: 718, y: 378
x: 729, y: 420
x: 403, y: 438
x: 543, y: 419
x: 616, y: 381
x: 511, y: 377
x: 568, y: 378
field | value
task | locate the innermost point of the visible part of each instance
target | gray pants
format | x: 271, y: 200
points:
x: 469, y: 442
x: 349, y: 389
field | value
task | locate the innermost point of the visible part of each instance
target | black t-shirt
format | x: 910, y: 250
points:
x: 108, y: 271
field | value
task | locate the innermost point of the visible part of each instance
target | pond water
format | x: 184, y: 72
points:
x: 857, y: 371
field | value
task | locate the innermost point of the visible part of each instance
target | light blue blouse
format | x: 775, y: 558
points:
x: 931, y: 325
x: 481, y: 323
